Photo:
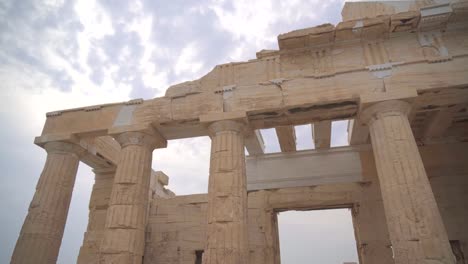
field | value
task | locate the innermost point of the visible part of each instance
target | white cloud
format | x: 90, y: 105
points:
x: 257, y: 23
x: 96, y: 22
x: 187, y: 64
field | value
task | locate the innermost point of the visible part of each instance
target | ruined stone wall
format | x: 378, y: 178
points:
x: 176, y: 229
x: 176, y: 226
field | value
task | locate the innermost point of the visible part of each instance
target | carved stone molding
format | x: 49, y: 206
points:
x: 435, y: 17
x: 135, y: 101
x: 226, y: 74
x: 433, y: 46
x: 323, y: 62
x: 93, y: 108
x: 55, y: 113
x: 272, y: 67
x: 375, y: 53
x: 225, y: 89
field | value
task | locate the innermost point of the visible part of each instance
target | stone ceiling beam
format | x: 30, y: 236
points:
x: 102, y: 152
x: 439, y: 121
x: 358, y: 133
x: 321, y: 134
x: 287, y: 138
x: 254, y: 143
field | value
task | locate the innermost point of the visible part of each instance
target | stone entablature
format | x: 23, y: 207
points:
x: 281, y: 87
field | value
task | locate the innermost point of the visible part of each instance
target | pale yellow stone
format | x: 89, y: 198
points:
x: 226, y: 237
x: 415, y: 226
x: 124, y: 235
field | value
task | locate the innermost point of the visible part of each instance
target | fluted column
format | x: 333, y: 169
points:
x: 415, y: 226
x: 98, y: 204
x: 41, y: 235
x: 124, y: 235
x: 227, y: 240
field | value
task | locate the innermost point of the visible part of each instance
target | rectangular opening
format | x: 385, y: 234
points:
x: 198, y: 256
x: 271, y: 141
x: 304, y: 137
x: 339, y: 134
x: 317, y: 236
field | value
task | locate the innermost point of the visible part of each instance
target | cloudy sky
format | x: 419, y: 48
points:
x: 62, y: 54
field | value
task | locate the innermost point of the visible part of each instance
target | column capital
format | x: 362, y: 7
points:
x: 60, y: 143
x: 144, y: 135
x: 227, y: 125
x: 384, y: 108
x: 64, y: 147
x: 225, y: 121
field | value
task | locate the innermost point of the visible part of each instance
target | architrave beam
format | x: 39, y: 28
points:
x: 304, y: 168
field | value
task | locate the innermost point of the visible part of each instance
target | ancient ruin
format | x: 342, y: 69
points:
x: 398, y: 71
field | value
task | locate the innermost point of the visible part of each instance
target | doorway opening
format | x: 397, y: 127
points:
x: 198, y: 256
x: 317, y: 236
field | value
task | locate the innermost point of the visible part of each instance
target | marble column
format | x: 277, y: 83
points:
x: 41, y: 235
x: 124, y: 235
x: 415, y: 226
x: 227, y: 240
x: 98, y: 204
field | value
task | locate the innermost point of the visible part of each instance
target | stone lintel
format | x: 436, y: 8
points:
x: 304, y: 168
x: 369, y: 99
x: 88, y: 152
x: 234, y: 116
